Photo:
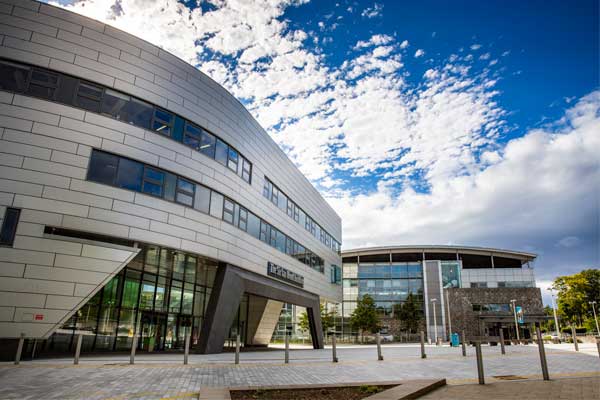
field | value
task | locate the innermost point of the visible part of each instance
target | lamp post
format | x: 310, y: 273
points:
x: 514, y: 306
x: 554, y: 310
x: 433, y: 301
x: 593, y: 303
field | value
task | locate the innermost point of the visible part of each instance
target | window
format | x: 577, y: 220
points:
x: 103, y: 167
x: 275, y: 195
x: 127, y: 109
x: 232, y: 163
x: 129, y: 174
x: 9, y: 226
x: 192, y: 136
x: 478, y: 284
x: 113, y: 103
x: 290, y: 208
x: 253, y: 225
x: 216, y: 205
x: 13, y: 77
x: 43, y: 84
x: 202, y: 201
x: 246, y: 170
x: 221, y: 152
x: 228, y: 209
x: 267, y: 189
x: 89, y: 96
x: 162, y: 122
x: 264, y: 232
x: 185, y: 192
x: 153, y: 181
x: 243, y: 219
x: 170, y: 186
x: 207, y: 144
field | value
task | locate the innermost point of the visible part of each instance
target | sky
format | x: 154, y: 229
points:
x: 430, y: 122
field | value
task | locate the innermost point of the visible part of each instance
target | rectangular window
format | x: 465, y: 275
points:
x: 163, y: 122
x: 202, y: 201
x: 170, y: 186
x: 243, y: 219
x: 216, y: 205
x: 207, y: 144
x: 221, y: 152
x: 253, y: 225
x: 127, y: 109
x: 13, y: 77
x: 264, y: 232
x: 228, y: 209
x: 246, y: 170
x: 103, y: 167
x: 274, y: 234
x: 67, y: 91
x: 290, y: 208
x: 129, y: 175
x: 267, y: 189
x: 192, y: 136
x: 89, y: 97
x: 185, y: 192
x: 9, y: 226
x: 43, y: 84
x: 233, y: 159
x: 153, y: 181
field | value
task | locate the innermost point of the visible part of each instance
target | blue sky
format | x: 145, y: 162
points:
x: 430, y: 122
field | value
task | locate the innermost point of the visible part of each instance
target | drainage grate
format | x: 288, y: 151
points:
x: 508, y: 377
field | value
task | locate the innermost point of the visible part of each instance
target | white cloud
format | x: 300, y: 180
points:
x: 375, y: 40
x: 372, y: 12
x: 419, y: 53
x: 485, y: 56
x: 404, y: 44
x: 569, y: 241
x: 475, y: 46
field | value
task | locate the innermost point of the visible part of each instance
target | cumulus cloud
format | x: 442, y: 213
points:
x: 372, y: 12
x: 419, y: 53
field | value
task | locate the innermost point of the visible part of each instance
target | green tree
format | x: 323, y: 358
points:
x: 574, y: 294
x: 327, y: 320
x: 364, y: 317
x: 409, y: 313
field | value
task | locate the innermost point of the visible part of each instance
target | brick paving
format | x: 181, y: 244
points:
x: 587, y: 388
x: 162, y: 376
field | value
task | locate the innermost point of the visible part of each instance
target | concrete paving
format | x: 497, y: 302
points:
x: 163, y: 376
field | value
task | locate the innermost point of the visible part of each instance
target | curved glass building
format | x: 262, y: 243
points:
x: 139, y: 198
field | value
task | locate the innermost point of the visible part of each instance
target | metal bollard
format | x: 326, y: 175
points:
x: 287, y: 348
x: 423, y: 355
x: 19, y: 349
x: 334, y: 350
x: 464, y: 344
x: 574, y: 338
x: 479, y: 363
x: 133, y: 348
x: 186, y: 351
x: 598, y: 345
x: 542, y: 354
x: 502, y: 350
x: 34, y: 348
x: 78, y: 349
x: 237, y: 349
x: 379, y: 355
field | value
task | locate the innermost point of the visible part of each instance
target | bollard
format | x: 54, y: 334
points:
x: 186, y: 351
x: 423, y: 355
x: 133, y: 347
x: 598, y: 345
x: 19, y: 349
x: 34, y: 348
x: 287, y: 348
x: 334, y: 350
x: 502, y: 350
x: 464, y: 344
x: 78, y: 349
x: 379, y: 355
x: 542, y: 354
x: 237, y: 349
x: 479, y: 363
x: 574, y: 338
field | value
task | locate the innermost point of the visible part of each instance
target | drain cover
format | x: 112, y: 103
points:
x: 508, y: 377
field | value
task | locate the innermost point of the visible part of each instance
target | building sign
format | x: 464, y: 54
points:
x: 279, y: 272
x: 520, y: 314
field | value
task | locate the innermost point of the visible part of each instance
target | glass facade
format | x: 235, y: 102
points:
x: 162, y: 294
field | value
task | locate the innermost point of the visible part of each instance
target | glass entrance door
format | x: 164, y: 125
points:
x: 152, y: 331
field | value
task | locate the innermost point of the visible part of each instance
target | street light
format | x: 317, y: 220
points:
x: 593, y: 303
x: 434, y: 321
x: 514, y: 306
x: 554, y: 311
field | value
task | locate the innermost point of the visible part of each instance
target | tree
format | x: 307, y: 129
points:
x: 364, y: 317
x: 574, y: 294
x: 409, y: 313
x: 327, y: 320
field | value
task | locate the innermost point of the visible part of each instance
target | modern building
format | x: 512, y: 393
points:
x: 456, y: 288
x: 139, y: 198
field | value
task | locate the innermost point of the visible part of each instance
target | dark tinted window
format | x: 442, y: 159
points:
x: 139, y: 113
x: 67, y: 90
x: 192, y: 136
x: 207, y: 144
x: 162, y: 122
x: 103, y: 167
x: 221, y: 152
x: 89, y: 97
x: 9, y: 226
x: 127, y: 109
x: 114, y: 104
x: 43, y: 84
x: 153, y: 181
x: 185, y: 192
x: 13, y: 77
x: 129, y: 175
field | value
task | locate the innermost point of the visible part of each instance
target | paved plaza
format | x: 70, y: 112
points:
x: 163, y: 376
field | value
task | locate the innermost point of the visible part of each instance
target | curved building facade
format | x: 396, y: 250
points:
x: 456, y: 288
x: 139, y: 198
